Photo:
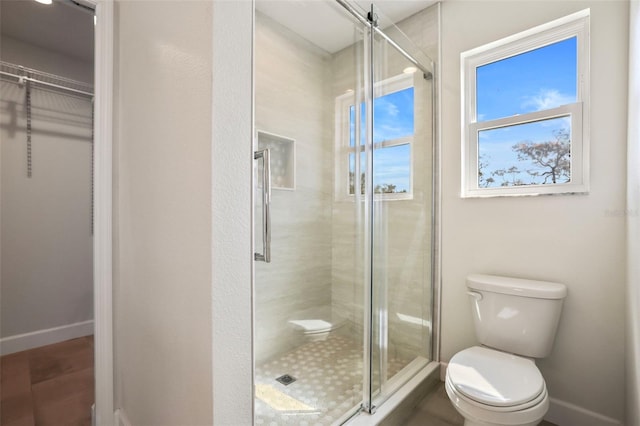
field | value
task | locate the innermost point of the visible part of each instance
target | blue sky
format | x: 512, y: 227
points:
x: 393, y: 118
x: 519, y: 85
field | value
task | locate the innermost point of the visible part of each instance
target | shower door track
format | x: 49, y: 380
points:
x: 373, y: 26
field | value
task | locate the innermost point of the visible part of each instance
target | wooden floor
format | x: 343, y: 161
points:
x: 48, y: 386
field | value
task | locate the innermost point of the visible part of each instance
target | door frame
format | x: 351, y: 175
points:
x: 103, y: 212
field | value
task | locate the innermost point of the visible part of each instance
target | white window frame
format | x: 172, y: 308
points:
x: 575, y: 25
x: 342, y: 138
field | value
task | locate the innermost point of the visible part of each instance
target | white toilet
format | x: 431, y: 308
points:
x: 498, y: 383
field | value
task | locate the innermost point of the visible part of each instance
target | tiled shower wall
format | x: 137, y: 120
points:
x: 292, y: 77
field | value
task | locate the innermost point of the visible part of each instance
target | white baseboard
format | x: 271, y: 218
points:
x: 121, y: 418
x: 566, y: 414
x: 443, y: 370
x: 34, y: 339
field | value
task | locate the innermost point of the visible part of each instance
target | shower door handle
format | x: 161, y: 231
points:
x: 266, y: 205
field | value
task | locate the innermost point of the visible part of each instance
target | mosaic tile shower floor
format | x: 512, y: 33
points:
x: 328, y: 383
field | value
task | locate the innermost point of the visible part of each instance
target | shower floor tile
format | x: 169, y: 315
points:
x: 328, y: 383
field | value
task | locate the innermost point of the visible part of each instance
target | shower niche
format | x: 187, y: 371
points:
x: 283, y: 159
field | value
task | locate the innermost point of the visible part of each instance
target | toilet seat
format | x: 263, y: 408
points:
x: 496, y: 388
x: 495, y: 379
x: 532, y: 403
x: 486, y: 414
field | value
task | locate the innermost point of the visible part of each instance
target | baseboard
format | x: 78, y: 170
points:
x: 566, y: 414
x: 443, y: 370
x: 121, y: 418
x: 34, y: 339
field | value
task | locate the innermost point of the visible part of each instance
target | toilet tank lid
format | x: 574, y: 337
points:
x: 517, y: 286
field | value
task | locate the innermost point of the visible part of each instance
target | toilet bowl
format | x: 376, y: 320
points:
x: 490, y: 387
x: 498, y: 383
x: 315, y: 329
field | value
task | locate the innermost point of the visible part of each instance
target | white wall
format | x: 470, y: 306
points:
x: 633, y: 222
x: 31, y: 56
x: 577, y: 240
x: 232, y: 268
x: 47, y: 279
x: 162, y: 193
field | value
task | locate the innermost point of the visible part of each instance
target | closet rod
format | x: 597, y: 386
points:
x: 22, y: 75
x: 22, y: 78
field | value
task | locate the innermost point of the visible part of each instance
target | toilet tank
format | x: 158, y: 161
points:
x: 516, y: 315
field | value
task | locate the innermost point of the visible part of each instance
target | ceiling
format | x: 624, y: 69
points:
x: 329, y: 26
x: 68, y: 29
x: 62, y: 27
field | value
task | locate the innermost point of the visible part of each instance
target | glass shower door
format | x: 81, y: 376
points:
x: 309, y: 298
x: 401, y: 146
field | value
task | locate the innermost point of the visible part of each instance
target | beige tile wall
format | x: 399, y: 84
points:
x: 291, y: 80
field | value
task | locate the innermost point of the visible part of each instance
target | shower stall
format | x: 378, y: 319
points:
x: 344, y: 207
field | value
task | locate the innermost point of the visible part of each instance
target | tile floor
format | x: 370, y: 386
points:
x: 436, y: 410
x: 328, y: 383
x: 48, y: 386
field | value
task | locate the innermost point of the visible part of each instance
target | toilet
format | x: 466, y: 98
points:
x: 498, y: 382
x: 314, y: 329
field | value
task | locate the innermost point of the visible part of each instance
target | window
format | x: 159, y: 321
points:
x: 393, y: 133
x: 525, y: 112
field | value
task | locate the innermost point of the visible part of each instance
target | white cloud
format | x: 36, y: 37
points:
x: 547, y: 99
x: 390, y: 109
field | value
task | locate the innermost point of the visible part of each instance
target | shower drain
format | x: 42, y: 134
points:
x: 286, y: 379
